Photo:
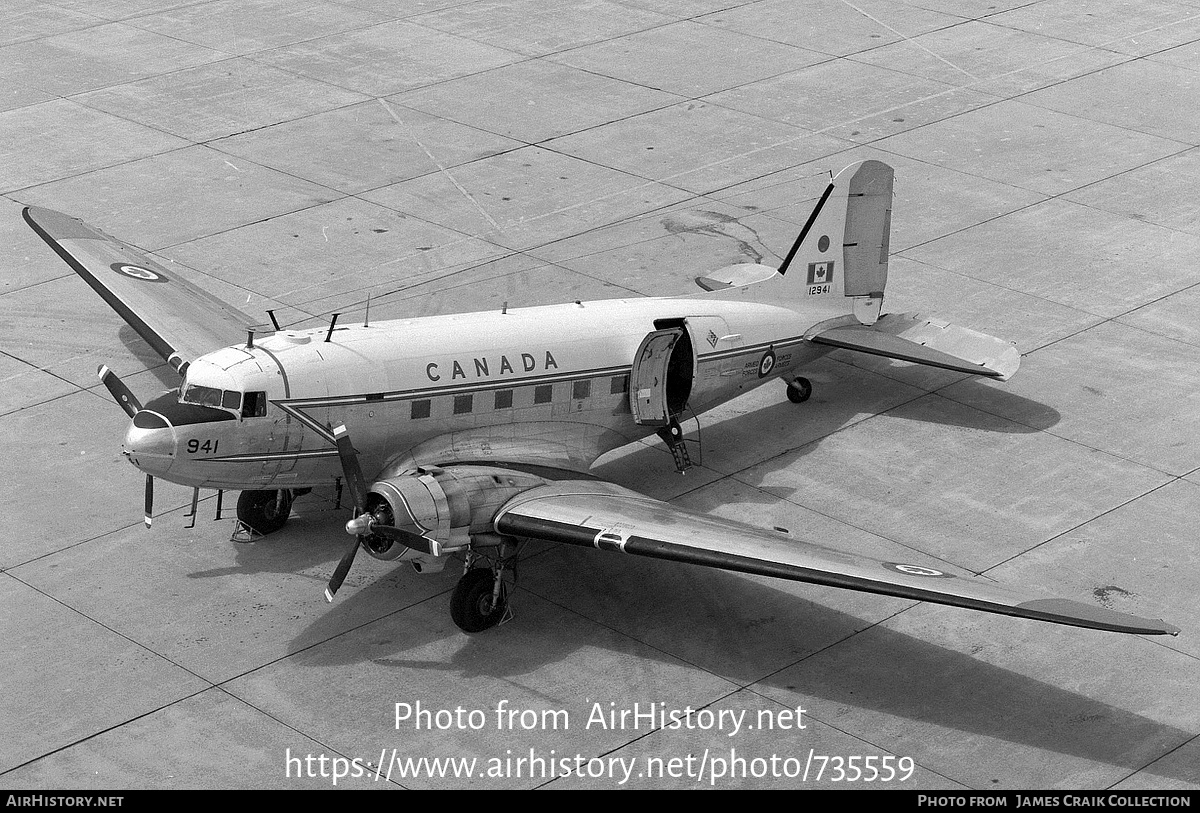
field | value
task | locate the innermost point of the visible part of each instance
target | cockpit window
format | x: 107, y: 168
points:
x: 250, y: 404
x: 204, y: 396
x: 254, y: 405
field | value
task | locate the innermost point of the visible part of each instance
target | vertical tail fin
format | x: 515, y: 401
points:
x: 842, y: 251
x: 857, y: 208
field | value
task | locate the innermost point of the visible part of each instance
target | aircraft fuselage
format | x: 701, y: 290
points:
x: 544, y: 383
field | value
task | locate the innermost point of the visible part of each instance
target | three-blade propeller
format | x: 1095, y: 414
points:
x: 364, y: 523
x: 128, y: 402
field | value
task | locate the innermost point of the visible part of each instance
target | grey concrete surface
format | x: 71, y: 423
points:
x: 452, y: 155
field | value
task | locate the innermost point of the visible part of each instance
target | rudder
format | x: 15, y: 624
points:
x: 867, y: 237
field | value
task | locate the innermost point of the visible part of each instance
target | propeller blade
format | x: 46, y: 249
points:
x: 358, y: 492
x: 406, y: 538
x: 149, y: 499
x: 365, y: 524
x: 120, y: 393
x: 350, y: 467
x: 339, y: 575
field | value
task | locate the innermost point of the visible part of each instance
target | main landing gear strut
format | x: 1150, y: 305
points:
x: 480, y: 600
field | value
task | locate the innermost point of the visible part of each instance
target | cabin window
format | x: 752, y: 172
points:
x: 620, y: 384
x: 503, y: 399
x: 581, y: 389
x: 254, y: 405
x: 420, y: 409
x: 543, y: 394
x: 462, y: 404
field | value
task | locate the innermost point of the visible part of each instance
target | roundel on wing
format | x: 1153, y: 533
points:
x: 137, y: 272
x: 766, y: 364
x: 917, y: 570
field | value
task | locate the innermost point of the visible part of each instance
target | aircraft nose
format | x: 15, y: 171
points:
x: 150, y: 442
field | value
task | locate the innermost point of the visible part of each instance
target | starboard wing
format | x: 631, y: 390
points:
x: 609, y: 517
x: 179, y: 320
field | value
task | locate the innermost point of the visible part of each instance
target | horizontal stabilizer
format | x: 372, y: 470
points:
x: 735, y: 276
x: 179, y: 320
x: 924, y: 340
x: 596, y: 514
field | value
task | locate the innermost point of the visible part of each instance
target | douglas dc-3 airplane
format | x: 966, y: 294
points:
x: 479, y: 428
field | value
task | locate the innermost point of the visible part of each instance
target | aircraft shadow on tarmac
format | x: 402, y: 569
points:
x: 670, y: 613
x: 743, y: 629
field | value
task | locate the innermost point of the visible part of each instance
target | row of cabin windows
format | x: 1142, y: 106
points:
x: 542, y: 394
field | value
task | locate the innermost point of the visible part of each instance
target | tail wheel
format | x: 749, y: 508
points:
x: 475, y: 606
x: 264, y: 511
x: 799, y: 390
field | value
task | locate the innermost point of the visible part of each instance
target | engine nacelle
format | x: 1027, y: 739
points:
x: 446, y: 506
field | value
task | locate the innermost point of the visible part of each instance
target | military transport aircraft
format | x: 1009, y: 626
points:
x: 479, y: 428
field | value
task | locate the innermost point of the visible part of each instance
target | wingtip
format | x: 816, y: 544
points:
x: 328, y: 595
x: 1079, y: 614
x: 1007, y: 363
x: 53, y: 225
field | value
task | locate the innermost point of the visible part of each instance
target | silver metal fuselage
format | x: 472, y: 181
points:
x: 544, y: 385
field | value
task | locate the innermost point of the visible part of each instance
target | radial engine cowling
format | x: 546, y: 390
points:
x: 443, y: 505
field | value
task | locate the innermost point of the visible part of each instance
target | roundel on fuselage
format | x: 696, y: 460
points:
x: 766, y: 364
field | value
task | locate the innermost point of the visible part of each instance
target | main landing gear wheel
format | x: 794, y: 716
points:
x: 799, y: 390
x: 474, y: 606
x: 264, y: 512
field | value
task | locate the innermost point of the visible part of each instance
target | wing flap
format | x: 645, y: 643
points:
x: 609, y: 517
x: 179, y: 320
x: 923, y: 340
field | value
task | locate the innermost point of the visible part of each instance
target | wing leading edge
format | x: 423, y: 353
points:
x: 609, y: 517
x: 177, y: 319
